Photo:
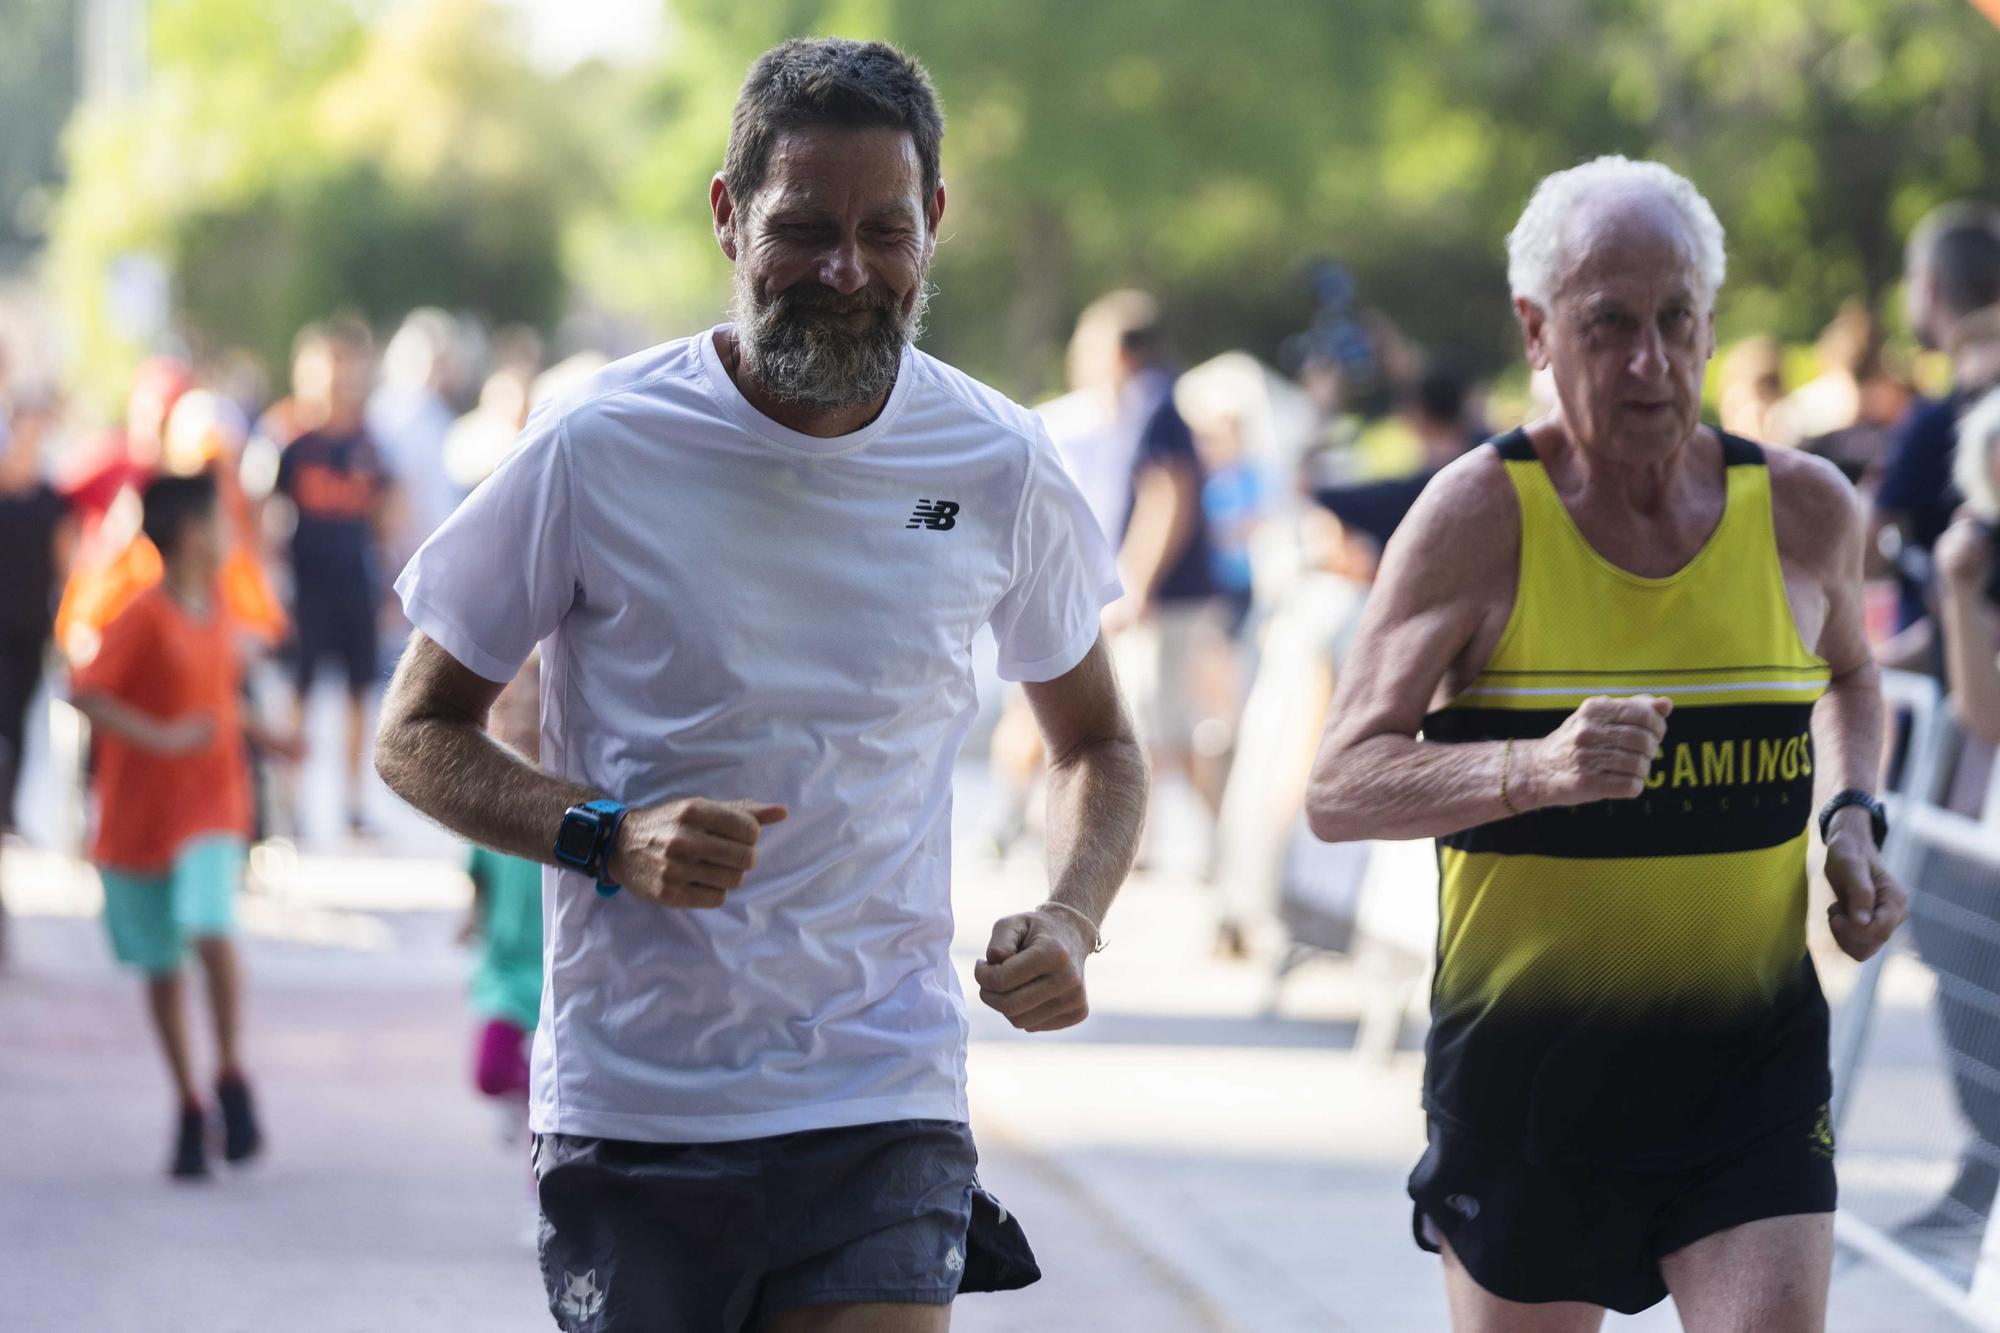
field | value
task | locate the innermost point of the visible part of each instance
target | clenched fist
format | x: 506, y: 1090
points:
x: 1602, y: 752
x: 1033, y: 971
x: 1868, y: 903
x: 689, y: 853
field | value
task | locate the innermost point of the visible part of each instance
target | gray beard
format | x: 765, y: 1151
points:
x: 802, y: 356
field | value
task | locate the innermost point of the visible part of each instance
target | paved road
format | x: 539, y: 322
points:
x: 1183, y: 1164
x: 388, y: 1201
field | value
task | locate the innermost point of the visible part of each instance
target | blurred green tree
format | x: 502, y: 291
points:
x: 1213, y: 153
x: 283, y: 161
x: 287, y: 158
x: 37, y: 86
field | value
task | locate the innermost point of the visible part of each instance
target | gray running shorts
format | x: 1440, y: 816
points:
x: 717, y: 1236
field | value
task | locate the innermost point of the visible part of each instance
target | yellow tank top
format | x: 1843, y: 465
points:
x: 1627, y: 982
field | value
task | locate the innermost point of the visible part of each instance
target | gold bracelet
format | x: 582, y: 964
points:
x: 1096, y: 936
x: 1506, y: 764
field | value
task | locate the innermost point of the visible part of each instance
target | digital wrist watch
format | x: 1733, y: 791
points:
x: 585, y: 838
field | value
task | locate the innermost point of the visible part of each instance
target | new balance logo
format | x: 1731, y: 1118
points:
x: 937, y: 515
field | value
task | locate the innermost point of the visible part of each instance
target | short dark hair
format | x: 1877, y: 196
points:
x: 170, y: 503
x: 1966, y: 261
x: 830, y: 81
x: 1960, y: 245
x: 1442, y: 387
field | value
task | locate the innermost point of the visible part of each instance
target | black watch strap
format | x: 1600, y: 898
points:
x: 1878, y: 818
x: 607, y: 836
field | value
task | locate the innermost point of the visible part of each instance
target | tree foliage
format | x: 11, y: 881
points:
x: 289, y: 157
x: 286, y: 160
x: 37, y: 86
x: 1213, y: 153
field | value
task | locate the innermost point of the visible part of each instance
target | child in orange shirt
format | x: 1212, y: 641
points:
x: 173, y: 798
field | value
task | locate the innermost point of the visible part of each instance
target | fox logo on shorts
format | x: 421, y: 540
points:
x: 581, y: 1296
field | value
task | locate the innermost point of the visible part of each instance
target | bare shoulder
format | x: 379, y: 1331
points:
x: 1464, y: 532
x: 1817, y: 512
x: 1441, y: 597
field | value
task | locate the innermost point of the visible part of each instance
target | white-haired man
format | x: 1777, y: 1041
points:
x: 1609, y: 655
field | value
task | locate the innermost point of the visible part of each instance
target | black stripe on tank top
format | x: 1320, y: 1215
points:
x: 1730, y: 778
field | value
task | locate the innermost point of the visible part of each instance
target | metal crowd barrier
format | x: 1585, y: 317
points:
x: 1916, y: 1051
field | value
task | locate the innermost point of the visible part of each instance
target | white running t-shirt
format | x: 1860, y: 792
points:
x: 731, y: 609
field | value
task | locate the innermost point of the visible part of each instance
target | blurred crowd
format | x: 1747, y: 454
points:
x: 1249, y: 504
x: 188, y: 573
x: 325, y: 487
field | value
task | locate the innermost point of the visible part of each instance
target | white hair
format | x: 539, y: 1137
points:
x: 1535, y: 258
x: 1972, y: 464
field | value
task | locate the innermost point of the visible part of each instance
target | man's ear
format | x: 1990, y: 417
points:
x: 722, y: 208
x: 1534, y: 331
x: 933, y: 213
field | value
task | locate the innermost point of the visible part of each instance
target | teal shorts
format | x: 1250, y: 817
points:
x: 152, y: 917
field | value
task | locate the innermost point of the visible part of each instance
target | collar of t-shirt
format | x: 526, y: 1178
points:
x: 731, y: 400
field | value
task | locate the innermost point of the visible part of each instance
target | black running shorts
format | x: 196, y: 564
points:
x: 718, y: 1236
x: 336, y: 621
x: 1577, y: 1233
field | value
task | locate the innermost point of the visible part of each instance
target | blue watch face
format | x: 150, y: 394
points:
x: 576, y: 839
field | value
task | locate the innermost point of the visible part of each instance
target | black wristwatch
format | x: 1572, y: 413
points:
x: 583, y: 842
x: 1878, y: 818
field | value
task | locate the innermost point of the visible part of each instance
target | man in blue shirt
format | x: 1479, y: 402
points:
x: 1953, y: 275
x: 1952, y: 271
x: 1124, y: 441
x: 333, y: 475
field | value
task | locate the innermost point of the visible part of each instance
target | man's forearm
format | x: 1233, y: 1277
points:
x: 1096, y: 804
x: 1394, y: 787
x: 1847, y: 732
x: 1972, y: 670
x: 1910, y: 648
x: 452, y: 771
x: 1161, y: 522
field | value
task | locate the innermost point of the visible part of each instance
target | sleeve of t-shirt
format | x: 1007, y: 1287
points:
x: 1166, y: 438
x: 124, y: 651
x: 1915, y: 473
x: 487, y: 611
x: 1064, y: 575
